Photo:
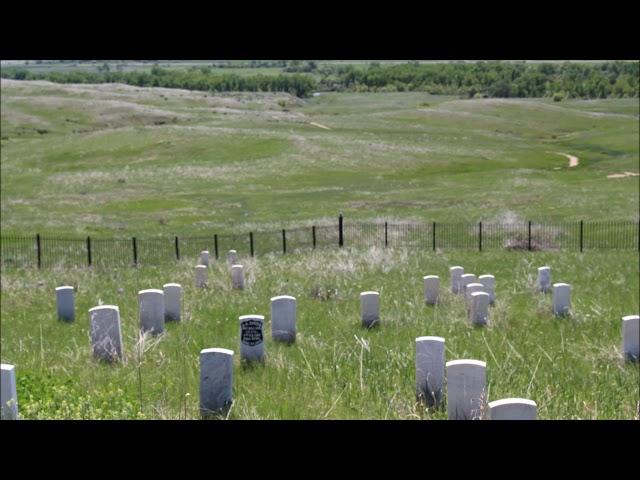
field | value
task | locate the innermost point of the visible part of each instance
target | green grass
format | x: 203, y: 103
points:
x: 114, y: 160
x: 569, y: 366
x: 254, y: 161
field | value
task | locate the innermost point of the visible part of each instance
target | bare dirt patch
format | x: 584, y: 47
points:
x: 623, y: 175
x: 573, y: 160
x: 319, y: 125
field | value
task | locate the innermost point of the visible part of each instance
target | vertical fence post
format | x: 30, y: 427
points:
x: 135, y: 252
x: 340, y: 234
x: 529, y: 235
x: 39, y: 250
x: 433, y: 232
x: 386, y: 235
x: 581, y: 233
x: 215, y: 244
x: 89, y: 250
x: 313, y: 233
x: 284, y: 241
x: 480, y: 236
x: 251, y: 242
x: 177, y: 249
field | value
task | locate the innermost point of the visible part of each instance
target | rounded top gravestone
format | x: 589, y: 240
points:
x: 151, y: 290
x: 512, y: 409
x: 464, y: 361
x: 217, y: 350
x: 282, y: 297
x: 104, y: 307
x: 429, y: 339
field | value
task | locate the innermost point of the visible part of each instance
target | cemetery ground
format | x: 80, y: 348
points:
x: 337, y: 369
x: 114, y: 160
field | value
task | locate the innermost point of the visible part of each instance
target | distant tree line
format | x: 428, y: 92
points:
x: 489, y: 79
x: 196, y: 78
x: 301, y: 78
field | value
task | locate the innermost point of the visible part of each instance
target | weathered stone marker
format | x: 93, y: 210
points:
x: 8, y: 393
x: 561, y: 298
x: 216, y: 380
x: 283, y: 319
x: 469, y: 289
x: 172, y: 301
x: 466, y: 389
x: 631, y: 337
x: 252, y: 337
x: 204, y: 258
x: 106, y: 333
x: 151, y: 310
x: 431, y: 287
x: 201, y: 276
x: 237, y: 277
x: 512, y: 409
x: 430, y: 369
x: 232, y: 257
x: 489, y: 282
x: 544, y: 279
x: 479, y: 311
x: 465, y: 280
x: 65, y: 303
x: 370, y: 308
x: 455, y: 273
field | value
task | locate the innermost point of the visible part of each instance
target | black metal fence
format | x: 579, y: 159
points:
x: 42, y: 252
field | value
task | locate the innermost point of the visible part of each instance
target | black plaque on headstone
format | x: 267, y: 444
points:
x: 251, y: 332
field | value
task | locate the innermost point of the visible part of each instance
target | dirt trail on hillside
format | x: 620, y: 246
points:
x: 573, y: 161
x: 623, y: 175
x: 319, y: 125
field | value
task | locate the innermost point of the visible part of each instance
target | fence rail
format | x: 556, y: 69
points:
x: 43, y: 252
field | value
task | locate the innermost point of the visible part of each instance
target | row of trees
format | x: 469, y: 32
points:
x: 488, y: 79
x: 189, y: 79
x: 491, y: 79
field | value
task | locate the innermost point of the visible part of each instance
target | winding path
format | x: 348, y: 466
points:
x: 573, y: 161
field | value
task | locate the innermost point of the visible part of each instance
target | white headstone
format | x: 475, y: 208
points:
x: 455, y: 273
x: 106, y: 333
x: 470, y: 288
x: 8, y: 393
x: 544, y: 279
x: 252, y: 337
x: 172, y: 301
x: 216, y: 380
x: 431, y: 287
x: 561, y: 298
x: 237, y: 277
x: 370, y: 308
x: 151, y: 310
x: 430, y: 369
x: 512, y: 409
x: 65, y: 303
x: 204, y: 258
x: 479, y: 311
x: 631, y: 337
x: 465, y: 280
x: 489, y: 282
x: 201, y: 276
x: 466, y: 389
x: 283, y: 319
x: 232, y: 257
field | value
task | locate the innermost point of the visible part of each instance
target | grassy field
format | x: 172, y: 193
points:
x: 336, y: 369
x: 76, y: 158
x: 115, y: 160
